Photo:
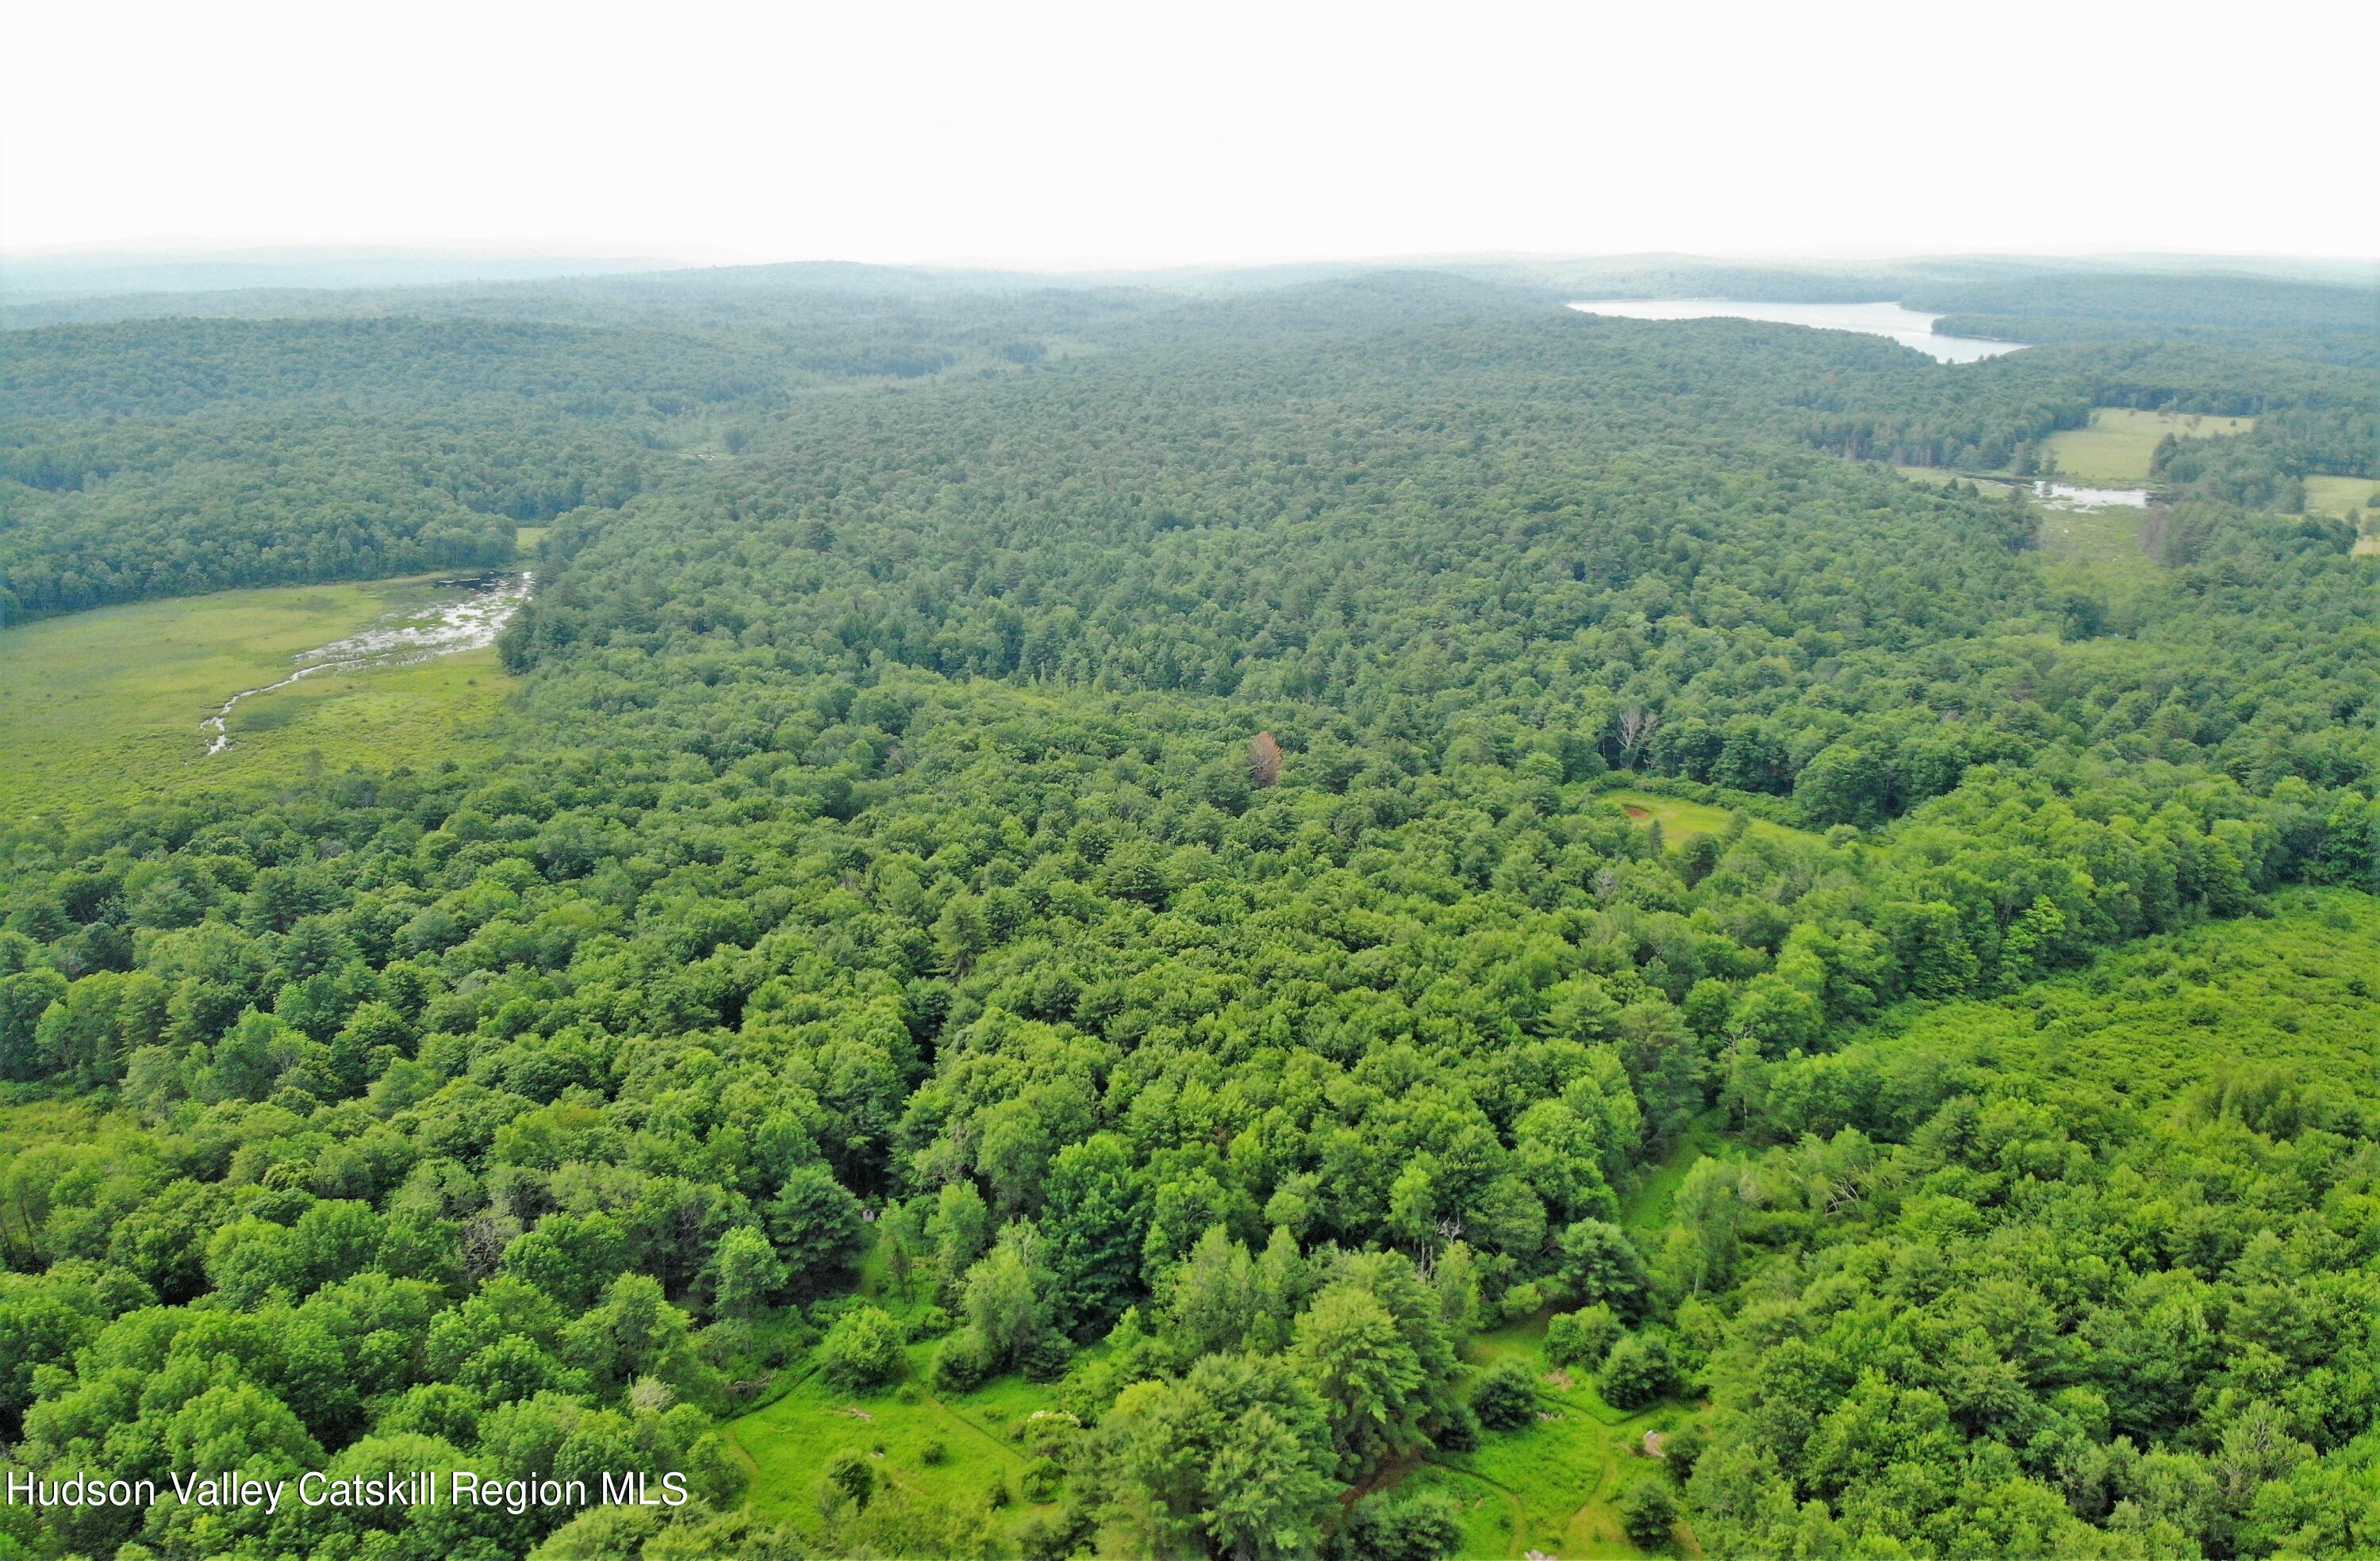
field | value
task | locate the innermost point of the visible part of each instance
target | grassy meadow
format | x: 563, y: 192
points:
x: 106, y: 705
x: 1680, y: 819
x: 959, y: 1449
x: 2341, y: 495
x: 2119, y: 441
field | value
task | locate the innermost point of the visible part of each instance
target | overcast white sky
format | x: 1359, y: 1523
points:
x: 1143, y: 135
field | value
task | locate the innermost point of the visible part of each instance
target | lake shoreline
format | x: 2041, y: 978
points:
x: 1910, y: 328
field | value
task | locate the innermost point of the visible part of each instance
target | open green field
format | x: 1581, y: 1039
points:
x: 1680, y: 819
x: 787, y: 1443
x: 2119, y: 442
x: 2101, y: 547
x: 106, y: 705
x: 2339, y: 495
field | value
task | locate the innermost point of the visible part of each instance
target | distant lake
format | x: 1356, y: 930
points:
x: 1906, y: 326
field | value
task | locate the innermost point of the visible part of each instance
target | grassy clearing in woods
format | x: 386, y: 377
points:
x: 2117, y: 444
x: 104, y: 705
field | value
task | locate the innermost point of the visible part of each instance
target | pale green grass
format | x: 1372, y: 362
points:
x: 2119, y: 442
x: 2103, y: 547
x: 785, y: 1444
x: 54, y: 1122
x: 788, y: 1444
x: 527, y: 537
x: 2339, y: 495
x: 1679, y: 818
x: 105, y: 706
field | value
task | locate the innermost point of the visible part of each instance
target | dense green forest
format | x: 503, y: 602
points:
x: 1270, y: 899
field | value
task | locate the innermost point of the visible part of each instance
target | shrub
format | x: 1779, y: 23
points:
x: 1582, y: 1337
x: 863, y: 1348
x: 1041, y: 1479
x: 1424, y: 1526
x: 849, y: 1480
x: 963, y: 1364
x: 931, y: 1323
x: 1522, y: 1301
x: 1646, y: 1511
x: 1683, y: 1448
x: 1506, y: 1399
x: 1054, y: 1536
x: 1046, y: 1359
x: 933, y: 1453
x: 1638, y: 1371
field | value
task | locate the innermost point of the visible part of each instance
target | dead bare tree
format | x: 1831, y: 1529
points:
x: 1636, y: 724
x: 1264, y: 760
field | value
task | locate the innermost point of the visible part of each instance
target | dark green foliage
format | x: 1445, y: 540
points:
x: 849, y: 1481
x: 1683, y: 1448
x: 862, y: 1350
x: 1506, y: 1397
x: 1582, y: 1337
x: 1638, y: 1371
x: 1646, y: 1511
x: 1426, y: 1526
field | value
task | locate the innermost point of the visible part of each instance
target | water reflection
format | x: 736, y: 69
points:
x: 471, y: 614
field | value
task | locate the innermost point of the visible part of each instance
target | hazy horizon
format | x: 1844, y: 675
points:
x: 1076, y: 139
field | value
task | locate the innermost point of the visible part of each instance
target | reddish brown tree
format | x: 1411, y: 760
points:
x: 1264, y: 760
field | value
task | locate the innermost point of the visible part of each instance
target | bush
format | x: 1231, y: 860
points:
x: 1459, y: 1433
x: 1646, y: 1511
x: 1506, y: 1399
x: 1425, y: 1527
x: 1046, y: 1359
x: 1041, y: 1479
x: 1683, y: 1448
x: 1054, y: 1536
x: 963, y: 1364
x: 1638, y: 1371
x: 931, y: 1323
x: 933, y: 1453
x: 863, y: 1350
x: 849, y: 1480
x: 1523, y: 1300
x: 1582, y: 1337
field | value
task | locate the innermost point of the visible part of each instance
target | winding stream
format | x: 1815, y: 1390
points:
x: 464, y: 622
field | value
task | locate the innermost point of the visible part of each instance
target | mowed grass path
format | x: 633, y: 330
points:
x: 2120, y: 442
x: 105, y: 706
